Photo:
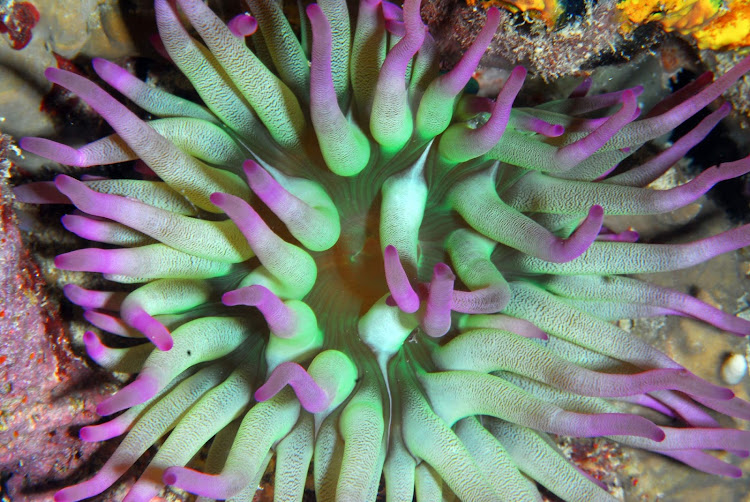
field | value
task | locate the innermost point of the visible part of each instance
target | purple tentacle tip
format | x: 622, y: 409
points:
x: 574, y: 246
x: 398, y: 283
x: 311, y: 396
x: 140, y: 390
x: 242, y: 25
x: 437, y: 317
x: 94, y: 346
x: 52, y: 150
x: 103, y: 432
x: 282, y: 321
x: 152, y: 329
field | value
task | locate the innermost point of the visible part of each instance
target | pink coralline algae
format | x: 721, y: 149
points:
x: 340, y: 258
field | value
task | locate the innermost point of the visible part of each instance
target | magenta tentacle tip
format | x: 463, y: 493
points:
x: 437, y: 317
x: 94, y: 346
x: 311, y: 396
x: 143, y: 388
x: 151, y: 328
x: 398, y: 283
x: 242, y: 25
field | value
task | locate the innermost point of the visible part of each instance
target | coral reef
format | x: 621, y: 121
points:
x: 341, y: 256
x: 713, y: 24
x: 574, y: 48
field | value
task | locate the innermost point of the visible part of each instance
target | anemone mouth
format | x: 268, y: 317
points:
x: 342, y: 258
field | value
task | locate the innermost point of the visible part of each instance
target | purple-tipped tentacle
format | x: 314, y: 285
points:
x: 586, y: 104
x: 311, y: 396
x: 104, y: 478
x: 491, y: 351
x: 649, y: 402
x: 238, y: 62
x: 344, y: 147
x: 398, y: 283
x: 685, y: 408
x: 647, y: 129
x: 282, y: 321
x: 542, y: 308
x: 581, y: 89
x: 242, y: 25
x: 144, y: 387
x: 94, y: 347
x: 213, y: 486
x: 524, y: 122
x: 680, y: 95
x: 102, y: 230
x: 152, y: 329
x: 705, y: 439
x: 164, y: 296
x: 630, y: 290
x: 313, y: 221
x: 92, y: 154
x: 201, y: 68
x: 458, y: 394
x: 40, y: 192
x: 571, y: 155
x: 391, y: 11
x: 696, y: 438
x: 477, y: 201
x: 652, y: 169
x: 158, y: 152
x: 584, y: 425
x: 452, y: 83
x: 391, y: 123
x: 200, y: 340
x: 636, y: 258
x: 111, y: 324
x: 123, y: 360
x: 145, y: 262
x: 262, y: 239
x: 270, y: 191
x: 735, y: 407
x: 481, y: 301
x: 110, y: 429
x: 459, y: 143
x: 705, y: 462
x: 568, y: 249
x: 504, y: 322
x: 151, y: 99
x: 628, y: 235
x: 289, y: 264
x: 220, y: 241
x: 91, y: 299
x: 471, y: 256
x: 437, y: 317
x: 152, y: 425
x: 539, y: 192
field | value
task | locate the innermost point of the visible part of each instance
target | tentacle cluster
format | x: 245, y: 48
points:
x: 340, y: 256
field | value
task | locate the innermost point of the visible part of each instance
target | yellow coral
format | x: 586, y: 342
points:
x: 729, y: 31
x: 547, y: 10
x: 711, y: 24
x: 680, y: 15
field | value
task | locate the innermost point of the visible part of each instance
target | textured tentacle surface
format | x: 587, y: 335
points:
x: 342, y: 259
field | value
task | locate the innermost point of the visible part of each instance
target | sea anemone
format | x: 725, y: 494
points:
x: 342, y: 257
